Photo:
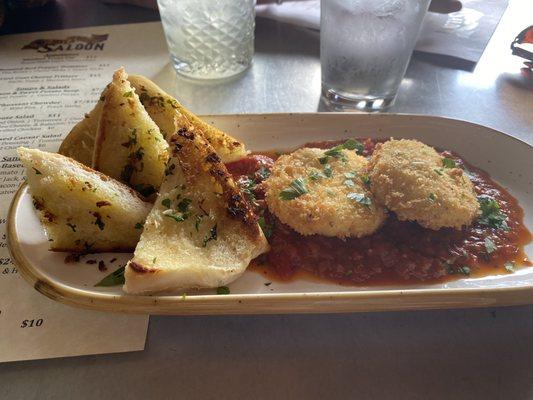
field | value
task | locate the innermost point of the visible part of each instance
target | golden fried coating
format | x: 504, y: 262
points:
x: 328, y: 198
x: 411, y: 179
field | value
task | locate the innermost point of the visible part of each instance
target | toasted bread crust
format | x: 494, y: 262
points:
x: 186, y: 146
x: 82, y: 210
x: 171, y: 116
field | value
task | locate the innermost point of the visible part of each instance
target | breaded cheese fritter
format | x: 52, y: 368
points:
x: 411, y: 179
x: 314, y: 194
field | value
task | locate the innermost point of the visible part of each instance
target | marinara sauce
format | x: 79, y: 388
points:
x: 399, y: 251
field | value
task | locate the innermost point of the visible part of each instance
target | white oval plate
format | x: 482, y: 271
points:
x: 508, y: 160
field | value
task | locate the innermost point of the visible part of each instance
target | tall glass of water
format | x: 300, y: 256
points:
x: 365, y: 46
x: 209, y: 39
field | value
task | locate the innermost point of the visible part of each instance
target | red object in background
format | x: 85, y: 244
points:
x: 524, y: 37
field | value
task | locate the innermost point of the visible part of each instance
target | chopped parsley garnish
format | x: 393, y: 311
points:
x: 349, y: 183
x: 223, y: 290
x: 350, y: 175
x: 438, y: 171
x: 175, y: 217
x: 113, y: 279
x: 211, y: 236
x: 183, y: 205
x: 265, y: 227
x: 315, y: 175
x: 336, y: 151
x: 263, y: 173
x: 71, y: 226
x: 509, y: 266
x: 361, y: 198
x: 37, y: 172
x: 448, y: 163
x: 138, y: 225
x: 489, y: 246
x: 491, y: 215
x: 432, y: 197
x: 166, y: 202
x: 365, y: 179
x: 351, y: 144
x: 128, y: 94
x: 328, y: 171
x: 296, y: 189
x: 198, y: 222
x: 464, y: 270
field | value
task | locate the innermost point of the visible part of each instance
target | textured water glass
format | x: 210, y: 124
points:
x: 365, y: 46
x: 209, y: 39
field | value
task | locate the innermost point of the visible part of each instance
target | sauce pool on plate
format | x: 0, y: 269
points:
x: 400, y: 251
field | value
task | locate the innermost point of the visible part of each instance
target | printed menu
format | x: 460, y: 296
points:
x: 48, y: 81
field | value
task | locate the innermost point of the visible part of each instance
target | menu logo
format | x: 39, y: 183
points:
x: 93, y: 42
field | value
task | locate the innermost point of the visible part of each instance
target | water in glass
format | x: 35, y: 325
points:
x: 209, y: 39
x: 365, y: 46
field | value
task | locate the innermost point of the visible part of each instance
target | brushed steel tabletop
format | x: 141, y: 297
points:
x: 451, y: 354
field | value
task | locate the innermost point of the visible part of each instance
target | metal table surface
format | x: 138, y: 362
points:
x: 459, y: 354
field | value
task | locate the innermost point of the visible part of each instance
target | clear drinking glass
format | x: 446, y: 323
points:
x: 365, y: 46
x: 209, y: 39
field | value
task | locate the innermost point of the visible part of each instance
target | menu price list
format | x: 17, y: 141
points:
x: 49, y: 80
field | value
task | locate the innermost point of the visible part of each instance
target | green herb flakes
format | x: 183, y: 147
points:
x: 509, y: 266
x: 263, y: 173
x: 365, y: 179
x: 37, y: 172
x: 464, y: 270
x: 296, y: 189
x: 438, y: 171
x: 211, y: 236
x: 198, y: 222
x: 113, y: 279
x: 223, y: 290
x: 315, y: 175
x: 166, y: 202
x: 448, y: 163
x: 183, y: 205
x: 175, y: 217
x: 432, y: 197
x: 351, y: 144
x: 489, y: 246
x: 138, y: 225
x: 265, y: 227
x: 361, y: 198
x: 349, y: 183
x: 328, y: 172
x: 491, y: 215
x: 128, y: 94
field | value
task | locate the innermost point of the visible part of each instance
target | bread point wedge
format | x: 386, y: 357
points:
x: 171, y: 116
x: 201, y: 232
x: 79, y: 143
x: 129, y: 146
x: 82, y: 210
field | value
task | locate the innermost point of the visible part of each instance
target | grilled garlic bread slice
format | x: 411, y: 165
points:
x: 129, y: 146
x: 171, y: 116
x: 79, y: 143
x: 201, y: 232
x: 81, y: 209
